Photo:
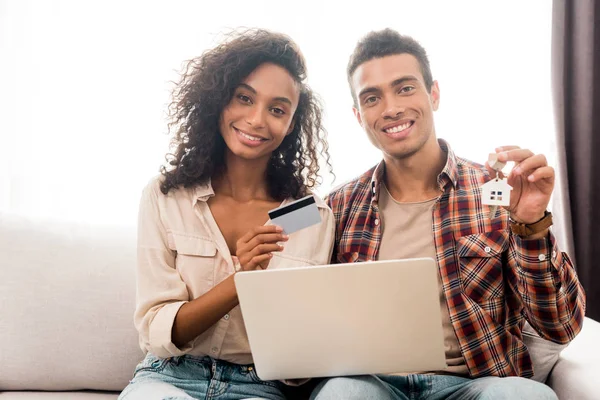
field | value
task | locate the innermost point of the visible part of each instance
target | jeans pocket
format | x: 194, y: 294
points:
x: 151, y: 363
x: 249, y: 372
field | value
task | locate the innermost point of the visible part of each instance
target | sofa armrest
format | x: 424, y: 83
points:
x: 576, y: 375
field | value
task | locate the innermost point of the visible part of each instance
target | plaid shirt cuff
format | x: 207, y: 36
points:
x: 539, y: 255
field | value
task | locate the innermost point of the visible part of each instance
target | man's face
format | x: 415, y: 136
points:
x: 393, y: 104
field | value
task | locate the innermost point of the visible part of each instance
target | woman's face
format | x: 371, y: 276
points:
x: 261, y: 112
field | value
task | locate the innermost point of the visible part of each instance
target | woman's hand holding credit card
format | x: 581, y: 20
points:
x: 296, y: 215
x: 255, y: 249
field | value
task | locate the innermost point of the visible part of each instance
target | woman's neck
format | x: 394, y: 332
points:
x: 243, y: 180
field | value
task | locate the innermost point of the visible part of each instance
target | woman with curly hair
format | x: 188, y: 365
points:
x: 247, y: 136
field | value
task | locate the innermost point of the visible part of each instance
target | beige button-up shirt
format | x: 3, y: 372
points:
x: 182, y: 255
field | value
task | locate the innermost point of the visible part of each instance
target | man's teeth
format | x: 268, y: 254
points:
x: 256, y: 139
x: 398, y: 128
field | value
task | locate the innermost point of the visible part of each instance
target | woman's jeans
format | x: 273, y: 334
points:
x: 189, y: 377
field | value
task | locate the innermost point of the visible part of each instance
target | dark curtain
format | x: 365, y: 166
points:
x: 576, y: 90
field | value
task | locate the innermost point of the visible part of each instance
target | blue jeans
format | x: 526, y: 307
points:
x: 189, y: 377
x: 431, y: 387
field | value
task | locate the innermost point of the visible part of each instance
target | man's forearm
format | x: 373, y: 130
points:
x: 552, y: 296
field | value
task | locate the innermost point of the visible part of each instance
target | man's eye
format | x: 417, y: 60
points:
x: 370, y: 100
x: 407, y: 89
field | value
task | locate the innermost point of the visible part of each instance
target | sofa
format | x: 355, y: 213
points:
x: 68, y: 292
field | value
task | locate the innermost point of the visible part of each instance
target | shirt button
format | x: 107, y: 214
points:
x: 542, y: 257
x: 487, y: 249
x: 554, y: 254
x: 214, y: 349
x: 376, y: 222
x: 226, y: 317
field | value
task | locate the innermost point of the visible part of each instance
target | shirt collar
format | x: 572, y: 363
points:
x: 448, y: 176
x: 202, y: 192
x: 205, y: 191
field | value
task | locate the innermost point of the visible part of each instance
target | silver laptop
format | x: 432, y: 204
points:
x: 344, y: 319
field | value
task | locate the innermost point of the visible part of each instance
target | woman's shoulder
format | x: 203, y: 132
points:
x: 154, y: 186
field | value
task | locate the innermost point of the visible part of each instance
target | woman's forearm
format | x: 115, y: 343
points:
x: 196, y: 316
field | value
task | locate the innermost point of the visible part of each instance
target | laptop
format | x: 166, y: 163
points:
x: 373, y: 317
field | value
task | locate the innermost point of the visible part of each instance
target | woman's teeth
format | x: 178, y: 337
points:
x: 253, y: 138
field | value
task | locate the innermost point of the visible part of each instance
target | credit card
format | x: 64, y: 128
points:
x: 296, y: 215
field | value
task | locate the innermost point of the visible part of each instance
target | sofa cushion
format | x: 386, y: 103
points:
x: 68, y: 295
x: 576, y: 374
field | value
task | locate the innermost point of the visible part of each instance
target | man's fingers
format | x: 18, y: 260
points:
x: 542, y: 173
x: 506, y: 148
x: 516, y: 155
x: 531, y: 164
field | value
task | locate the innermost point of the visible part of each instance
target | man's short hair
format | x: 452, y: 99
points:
x: 387, y: 42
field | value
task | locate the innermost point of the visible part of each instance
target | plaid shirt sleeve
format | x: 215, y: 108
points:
x: 333, y: 200
x: 545, y: 279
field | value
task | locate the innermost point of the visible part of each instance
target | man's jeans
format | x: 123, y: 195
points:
x: 188, y: 377
x: 431, y: 387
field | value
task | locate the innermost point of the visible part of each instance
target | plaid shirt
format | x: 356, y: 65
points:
x: 491, y: 278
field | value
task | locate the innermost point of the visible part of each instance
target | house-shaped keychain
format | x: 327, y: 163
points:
x: 496, y: 192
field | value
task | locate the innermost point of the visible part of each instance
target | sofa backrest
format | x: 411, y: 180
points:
x: 67, y: 295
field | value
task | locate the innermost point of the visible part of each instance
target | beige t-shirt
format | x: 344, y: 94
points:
x: 182, y: 254
x: 408, y: 233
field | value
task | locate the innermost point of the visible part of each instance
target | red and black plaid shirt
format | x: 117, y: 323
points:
x: 491, y: 278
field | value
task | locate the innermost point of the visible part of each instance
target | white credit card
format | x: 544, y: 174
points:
x: 296, y: 215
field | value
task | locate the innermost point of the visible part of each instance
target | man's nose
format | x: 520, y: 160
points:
x: 393, y: 110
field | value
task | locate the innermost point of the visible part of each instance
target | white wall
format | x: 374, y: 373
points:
x: 84, y: 85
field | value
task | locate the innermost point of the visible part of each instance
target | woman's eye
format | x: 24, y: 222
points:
x: 244, y: 98
x: 278, y: 111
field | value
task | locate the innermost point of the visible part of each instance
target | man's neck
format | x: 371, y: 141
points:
x: 243, y: 180
x: 414, y: 178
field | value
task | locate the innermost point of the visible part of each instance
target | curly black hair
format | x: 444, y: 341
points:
x: 207, y: 85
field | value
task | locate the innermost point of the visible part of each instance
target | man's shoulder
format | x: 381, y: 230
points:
x: 349, y: 190
x: 470, y: 170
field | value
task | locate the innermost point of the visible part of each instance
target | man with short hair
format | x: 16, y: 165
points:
x: 423, y: 201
